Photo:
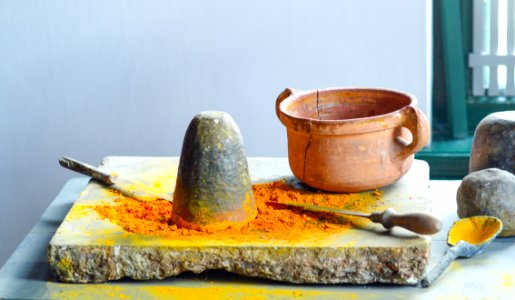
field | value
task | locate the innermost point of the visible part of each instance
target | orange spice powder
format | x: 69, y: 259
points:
x: 272, y: 221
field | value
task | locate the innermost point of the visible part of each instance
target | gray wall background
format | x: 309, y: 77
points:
x: 91, y: 79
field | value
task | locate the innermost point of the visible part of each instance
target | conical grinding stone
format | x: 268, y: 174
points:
x: 213, y: 189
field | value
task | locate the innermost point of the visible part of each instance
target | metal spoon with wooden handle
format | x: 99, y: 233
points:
x: 422, y: 223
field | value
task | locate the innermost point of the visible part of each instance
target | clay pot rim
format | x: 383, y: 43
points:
x: 367, y: 124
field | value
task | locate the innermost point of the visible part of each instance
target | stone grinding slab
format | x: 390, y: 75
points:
x: 87, y: 248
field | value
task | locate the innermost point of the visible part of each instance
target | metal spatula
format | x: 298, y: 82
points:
x: 127, y: 187
x: 422, y: 223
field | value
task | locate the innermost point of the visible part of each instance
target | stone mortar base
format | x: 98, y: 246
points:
x: 87, y: 264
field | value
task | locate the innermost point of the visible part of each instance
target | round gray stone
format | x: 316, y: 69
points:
x: 494, y: 143
x: 489, y: 192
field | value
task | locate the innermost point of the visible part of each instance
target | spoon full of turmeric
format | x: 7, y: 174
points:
x: 467, y: 237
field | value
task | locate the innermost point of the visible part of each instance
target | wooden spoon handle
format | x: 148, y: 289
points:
x: 421, y: 223
x: 85, y: 169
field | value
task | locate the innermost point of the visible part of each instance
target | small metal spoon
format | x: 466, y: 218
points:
x: 465, y: 243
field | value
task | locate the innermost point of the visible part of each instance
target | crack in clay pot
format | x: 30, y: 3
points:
x: 318, y: 107
x: 310, y: 140
x: 308, y: 145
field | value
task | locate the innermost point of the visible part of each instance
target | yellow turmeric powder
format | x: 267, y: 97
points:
x: 272, y: 221
x: 474, y: 230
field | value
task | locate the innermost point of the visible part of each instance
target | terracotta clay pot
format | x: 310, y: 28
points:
x: 351, y: 139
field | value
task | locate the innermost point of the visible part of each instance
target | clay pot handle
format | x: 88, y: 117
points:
x: 283, y: 96
x: 415, y: 121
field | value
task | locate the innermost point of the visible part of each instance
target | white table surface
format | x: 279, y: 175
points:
x: 490, y: 275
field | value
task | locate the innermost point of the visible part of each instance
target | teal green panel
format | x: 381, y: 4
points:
x: 447, y: 159
x: 480, y: 107
x: 454, y: 67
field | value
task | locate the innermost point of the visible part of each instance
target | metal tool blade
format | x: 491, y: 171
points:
x: 127, y: 187
x: 137, y: 190
x: 317, y: 208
